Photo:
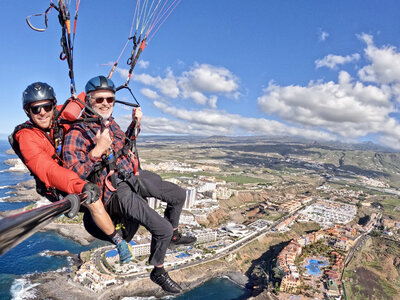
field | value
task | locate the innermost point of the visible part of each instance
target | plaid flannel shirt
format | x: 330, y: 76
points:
x: 79, y: 141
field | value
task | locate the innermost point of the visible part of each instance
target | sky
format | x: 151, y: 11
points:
x: 318, y: 70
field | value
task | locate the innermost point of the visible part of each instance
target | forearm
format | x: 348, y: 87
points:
x: 133, y: 130
x: 78, y: 157
x: 101, y: 217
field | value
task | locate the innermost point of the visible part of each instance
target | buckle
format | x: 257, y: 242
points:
x: 124, y: 175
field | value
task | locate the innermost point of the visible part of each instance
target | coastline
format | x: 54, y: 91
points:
x: 24, y: 191
x: 76, y: 232
x: 59, y: 285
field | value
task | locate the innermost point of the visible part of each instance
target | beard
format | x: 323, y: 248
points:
x: 104, y: 115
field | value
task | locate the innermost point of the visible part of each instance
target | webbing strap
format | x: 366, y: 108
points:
x: 108, y: 181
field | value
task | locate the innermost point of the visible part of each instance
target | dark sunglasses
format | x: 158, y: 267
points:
x: 101, y: 100
x: 37, y: 108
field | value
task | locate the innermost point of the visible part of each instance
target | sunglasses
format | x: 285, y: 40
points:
x: 37, y: 108
x: 101, y: 100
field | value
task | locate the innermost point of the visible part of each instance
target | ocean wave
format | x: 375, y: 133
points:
x: 147, y: 298
x: 3, y: 198
x: 22, y: 289
x: 61, y: 270
x: 4, y: 187
x: 45, y: 253
x: 140, y: 298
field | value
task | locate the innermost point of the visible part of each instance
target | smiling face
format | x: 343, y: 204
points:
x: 102, y: 102
x: 41, y: 113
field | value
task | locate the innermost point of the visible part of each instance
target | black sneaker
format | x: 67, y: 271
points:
x: 178, y: 239
x: 166, y: 283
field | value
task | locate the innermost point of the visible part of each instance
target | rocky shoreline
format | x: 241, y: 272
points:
x: 59, y: 285
x: 75, y: 232
x: 24, y: 191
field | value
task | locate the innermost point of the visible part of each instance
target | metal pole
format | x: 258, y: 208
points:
x: 15, y: 229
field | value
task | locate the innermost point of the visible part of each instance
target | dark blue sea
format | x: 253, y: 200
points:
x: 29, y: 256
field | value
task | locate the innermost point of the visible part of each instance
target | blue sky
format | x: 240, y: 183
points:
x: 322, y: 70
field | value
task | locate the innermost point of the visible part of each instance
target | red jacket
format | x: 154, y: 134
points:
x: 38, y: 154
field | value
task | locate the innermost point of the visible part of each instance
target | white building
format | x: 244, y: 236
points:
x: 205, y: 235
x: 188, y: 219
x: 141, y: 249
x: 190, y: 197
x: 206, y: 186
x: 236, y: 230
x: 153, y: 202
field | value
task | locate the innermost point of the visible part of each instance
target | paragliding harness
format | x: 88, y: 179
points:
x: 50, y: 193
x: 109, y: 162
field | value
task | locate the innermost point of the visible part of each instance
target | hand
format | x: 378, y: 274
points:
x: 92, y: 192
x: 103, y: 142
x: 137, y: 115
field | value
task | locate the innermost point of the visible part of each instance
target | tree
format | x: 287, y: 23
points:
x: 375, y: 233
x: 277, y: 273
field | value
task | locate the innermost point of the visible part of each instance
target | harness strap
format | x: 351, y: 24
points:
x: 135, y: 162
x: 109, y: 162
x: 112, y: 167
x: 109, y: 184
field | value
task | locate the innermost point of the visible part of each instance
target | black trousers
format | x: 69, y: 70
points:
x: 151, y: 185
x: 131, y: 209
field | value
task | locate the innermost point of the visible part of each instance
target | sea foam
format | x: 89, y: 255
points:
x: 22, y: 289
x: 3, y: 198
x: 139, y: 298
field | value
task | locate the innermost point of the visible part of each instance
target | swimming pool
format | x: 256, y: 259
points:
x: 314, y: 265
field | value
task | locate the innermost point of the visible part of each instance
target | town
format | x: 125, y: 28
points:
x: 296, y: 223
x: 312, y: 265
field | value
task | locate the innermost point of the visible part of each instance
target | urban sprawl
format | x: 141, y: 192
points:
x: 312, y: 264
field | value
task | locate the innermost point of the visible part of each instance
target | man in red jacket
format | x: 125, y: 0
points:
x: 39, y: 141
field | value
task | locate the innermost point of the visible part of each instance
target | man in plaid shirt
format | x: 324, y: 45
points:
x: 103, y: 158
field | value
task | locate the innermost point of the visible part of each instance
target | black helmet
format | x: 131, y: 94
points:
x: 99, y: 83
x: 37, y: 91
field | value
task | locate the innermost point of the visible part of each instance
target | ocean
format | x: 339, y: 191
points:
x: 30, y: 256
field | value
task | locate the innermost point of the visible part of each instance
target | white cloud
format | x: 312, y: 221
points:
x: 124, y: 107
x: 210, y: 79
x: 150, y: 94
x: 144, y: 64
x: 167, y: 86
x: 122, y: 72
x: 212, y: 102
x: 231, y: 124
x: 201, y: 84
x: 322, y: 35
x: 385, y: 63
x: 350, y: 109
x: 332, y: 61
x: 206, y: 79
